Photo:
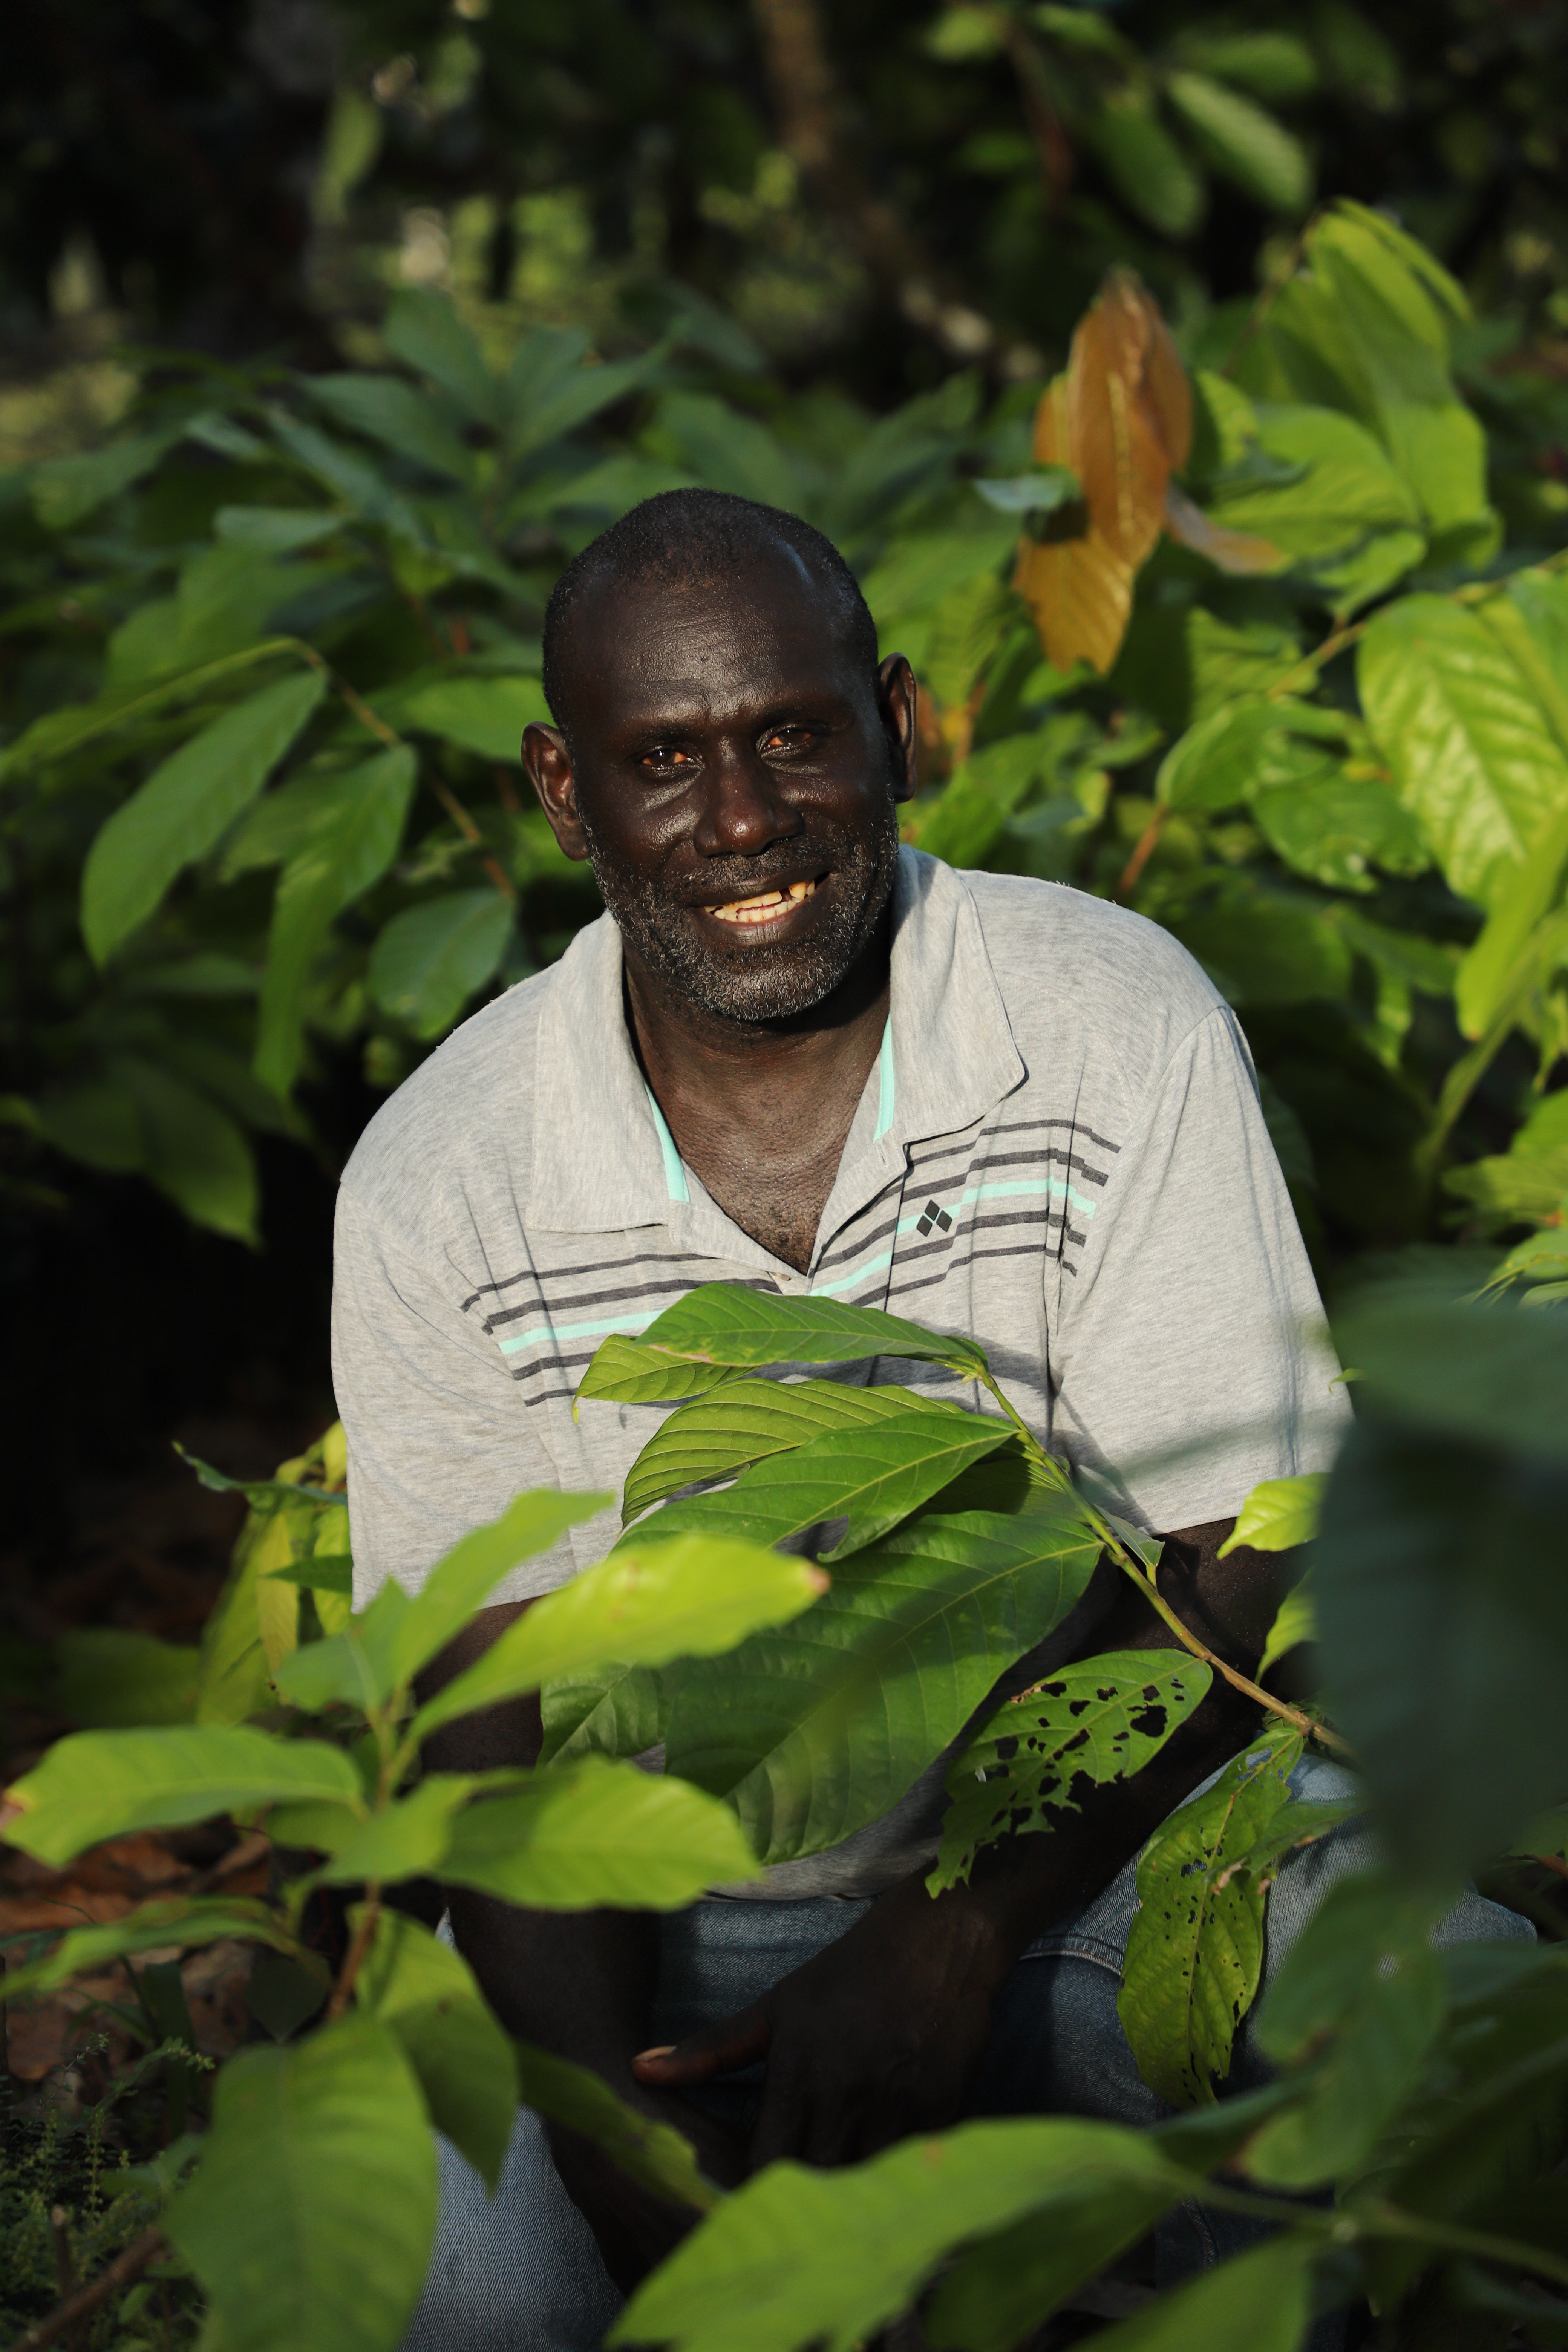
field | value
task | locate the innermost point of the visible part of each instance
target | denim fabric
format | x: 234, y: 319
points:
x: 520, y: 2272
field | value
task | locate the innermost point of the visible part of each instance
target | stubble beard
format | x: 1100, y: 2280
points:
x: 761, y: 983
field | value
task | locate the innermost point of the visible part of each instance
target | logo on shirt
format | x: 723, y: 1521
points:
x: 933, y: 1213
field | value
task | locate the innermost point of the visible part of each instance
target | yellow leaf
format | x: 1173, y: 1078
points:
x: 1120, y: 419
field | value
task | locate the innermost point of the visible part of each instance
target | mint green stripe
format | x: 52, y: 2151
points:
x: 674, y: 1168
x: 1052, y: 1187
x: 578, y: 1330
x: 888, y: 1089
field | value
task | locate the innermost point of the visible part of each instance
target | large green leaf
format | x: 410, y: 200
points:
x: 608, y: 1710
x: 1256, y: 2301
x: 101, y: 1784
x: 817, y: 1729
x: 1472, y: 750
x: 394, y: 414
x: 1102, y: 1718
x: 311, y: 2216
x: 192, y: 1150
x: 996, y: 2295
x: 1245, y: 748
x: 643, y: 1607
x: 871, y: 1475
x: 1320, y: 488
x: 424, y: 1992
x: 484, y: 715
x: 625, y: 1372
x: 1337, y: 828
x: 1250, y: 147
x: 1361, y: 1994
x: 350, y: 847
x: 1443, y: 1613
x: 802, y: 2257
x: 652, y: 2153
x: 1279, y: 1514
x: 1507, y: 962
x: 430, y: 959
x: 169, y: 1923
x: 1196, y: 1951
x: 1145, y: 164
x: 425, y: 331
x: 594, y: 1833
x: 185, y: 805
x: 726, y: 1323
x: 747, y: 1421
x: 60, y: 733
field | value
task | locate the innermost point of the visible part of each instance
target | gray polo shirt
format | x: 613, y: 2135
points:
x: 1059, y: 1153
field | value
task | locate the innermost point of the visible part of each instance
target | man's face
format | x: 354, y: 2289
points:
x: 732, y: 778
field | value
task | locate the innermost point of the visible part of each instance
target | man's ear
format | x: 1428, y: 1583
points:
x: 548, y: 765
x: 896, y: 700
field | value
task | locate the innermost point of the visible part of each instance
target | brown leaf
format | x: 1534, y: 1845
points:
x: 1240, y: 551
x: 1122, y: 419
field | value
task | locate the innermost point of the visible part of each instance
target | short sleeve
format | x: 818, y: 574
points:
x: 1191, y: 1357
x: 438, y: 1442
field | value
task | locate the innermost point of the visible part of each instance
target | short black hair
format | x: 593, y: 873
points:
x: 683, y: 535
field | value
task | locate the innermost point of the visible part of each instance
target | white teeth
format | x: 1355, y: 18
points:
x: 766, y: 907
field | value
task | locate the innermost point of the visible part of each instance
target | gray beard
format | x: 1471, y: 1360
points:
x: 759, y: 985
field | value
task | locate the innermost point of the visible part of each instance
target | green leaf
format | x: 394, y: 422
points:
x: 169, y: 1923
x: 66, y: 489
x: 1256, y: 2301
x: 726, y: 1323
x: 608, y: 1710
x: 1334, y: 830
x: 1144, y: 164
x: 643, y: 1607
x: 996, y: 2295
x: 1102, y: 1719
x: 1272, y: 65
x: 815, y: 1729
x: 463, y: 1580
x: 655, y: 2155
x: 1444, y: 1629
x: 1502, y: 958
x: 1245, y: 748
x: 423, y: 329
x: 349, y: 849
x: 275, y: 531
x: 309, y: 2220
x: 1472, y: 751
x: 1194, y: 1955
x: 191, y: 1150
x: 405, y: 1839
x: 1300, y: 1823
x: 872, y: 1475
x: 101, y: 1784
x: 1250, y: 147
x: 1041, y: 493
x: 431, y: 958
x: 424, y: 1992
x: 1279, y: 1514
x: 394, y: 414
x: 224, y: 599
x: 548, y: 393
x: 625, y: 1372
x: 799, y: 2257
x: 727, y: 451
x: 185, y: 806
x: 107, y: 1677
x: 61, y: 733
x: 1526, y: 1184
x: 594, y: 1833
x: 748, y: 1421
x: 483, y: 715
x: 1320, y: 488
x: 1294, y: 1621
x: 964, y: 821
x: 1264, y: 947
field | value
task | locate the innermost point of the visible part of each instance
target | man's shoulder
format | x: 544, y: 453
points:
x: 472, y: 1096
x: 1063, y: 955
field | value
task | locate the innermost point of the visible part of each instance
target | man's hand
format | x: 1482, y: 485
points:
x: 883, y: 2033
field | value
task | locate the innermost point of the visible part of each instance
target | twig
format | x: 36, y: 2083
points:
x: 87, y: 2299
x: 1143, y: 850
x: 471, y: 833
x: 1308, y: 1725
x: 353, y: 1959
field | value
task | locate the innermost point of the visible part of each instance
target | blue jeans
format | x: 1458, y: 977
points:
x: 520, y: 2272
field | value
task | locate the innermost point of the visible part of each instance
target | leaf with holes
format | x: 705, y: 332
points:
x: 1100, y: 1720
x: 1195, y: 1952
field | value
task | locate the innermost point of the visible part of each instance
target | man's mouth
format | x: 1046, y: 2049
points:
x: 767, y: 907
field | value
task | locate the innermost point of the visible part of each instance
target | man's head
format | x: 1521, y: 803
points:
x: 727, y: 752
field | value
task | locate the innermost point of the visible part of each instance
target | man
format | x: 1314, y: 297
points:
x: 792, y: 1055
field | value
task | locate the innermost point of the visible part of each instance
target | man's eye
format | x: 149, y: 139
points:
x: 666, y: 760
x: 787, y: 738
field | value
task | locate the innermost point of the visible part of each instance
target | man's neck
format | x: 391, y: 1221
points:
x: 761, y: 1110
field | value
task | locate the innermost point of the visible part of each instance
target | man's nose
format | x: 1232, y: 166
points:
x: 744, y: 808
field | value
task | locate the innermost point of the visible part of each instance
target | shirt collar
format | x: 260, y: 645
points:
x: 603, y: 1157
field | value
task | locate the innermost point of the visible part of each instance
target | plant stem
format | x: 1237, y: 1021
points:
x: 1143, y: 850
x: 1308, y: 1725
x: 353, y: 1959
x: 121, y: 2271
x: 1376, y: 2220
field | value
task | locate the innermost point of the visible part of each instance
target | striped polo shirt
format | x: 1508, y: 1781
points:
x: 1059, y: 1152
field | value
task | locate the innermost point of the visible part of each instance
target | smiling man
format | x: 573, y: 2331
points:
x: 794, y: 1056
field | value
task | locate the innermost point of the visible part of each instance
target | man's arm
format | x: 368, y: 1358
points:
x: 578, y: 1983
x: 882, y: 2034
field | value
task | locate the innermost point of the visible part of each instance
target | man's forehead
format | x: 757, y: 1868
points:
x: 711, y: 634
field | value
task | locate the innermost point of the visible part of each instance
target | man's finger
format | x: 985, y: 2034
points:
x: 738, y: 2041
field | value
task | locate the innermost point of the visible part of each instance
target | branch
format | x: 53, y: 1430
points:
x: 353, y: 1959
x: 1308, y: 1725
x: 121, y: 2271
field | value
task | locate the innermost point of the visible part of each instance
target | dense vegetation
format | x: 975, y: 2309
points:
x: 1281, y: 662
